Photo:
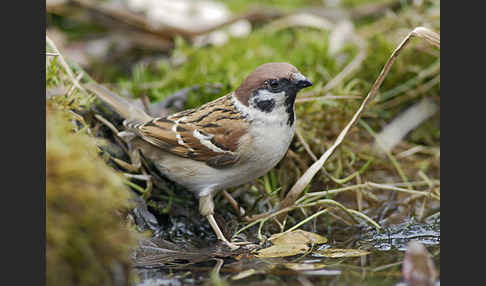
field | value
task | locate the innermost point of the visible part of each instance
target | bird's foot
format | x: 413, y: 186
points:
x: 219, y: 233
x: 231, y: 245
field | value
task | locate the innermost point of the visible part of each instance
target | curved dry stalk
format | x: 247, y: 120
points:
x: 338, y: 205
x: 421, y: 32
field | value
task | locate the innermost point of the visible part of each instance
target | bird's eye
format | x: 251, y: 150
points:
x: 274, y: 84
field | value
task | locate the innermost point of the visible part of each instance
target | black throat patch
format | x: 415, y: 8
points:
x: 291, y: 94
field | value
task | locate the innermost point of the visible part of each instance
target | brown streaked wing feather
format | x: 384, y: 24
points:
x: 218, y: 119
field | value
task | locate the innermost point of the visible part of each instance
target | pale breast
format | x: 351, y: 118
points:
x: 270, y: 144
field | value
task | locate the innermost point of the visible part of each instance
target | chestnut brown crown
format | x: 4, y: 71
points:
x: 258, y: 77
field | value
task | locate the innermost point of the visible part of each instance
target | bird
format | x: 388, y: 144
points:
x: 227, y: 142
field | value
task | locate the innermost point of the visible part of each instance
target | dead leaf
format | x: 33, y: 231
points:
x: 297, y: 237
x: 282, y: 250
x: 338, y: 252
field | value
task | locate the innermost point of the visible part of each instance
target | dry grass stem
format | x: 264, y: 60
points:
x: 407, y: 191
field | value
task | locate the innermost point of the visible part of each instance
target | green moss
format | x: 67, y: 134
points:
x: 85, y: 234
x: 86, y: 237
x: 229, y: 64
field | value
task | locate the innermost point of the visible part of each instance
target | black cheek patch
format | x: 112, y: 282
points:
x: 265, y: 105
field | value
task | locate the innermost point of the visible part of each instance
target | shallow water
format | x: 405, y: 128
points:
x: 178, y: 264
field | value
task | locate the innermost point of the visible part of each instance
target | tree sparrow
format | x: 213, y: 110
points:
x: 224, y: 143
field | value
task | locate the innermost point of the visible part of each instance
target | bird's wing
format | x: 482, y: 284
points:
x: 210, y: 133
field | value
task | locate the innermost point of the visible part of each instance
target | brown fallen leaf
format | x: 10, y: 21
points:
x: 297, y: 237
x: 282, y: 250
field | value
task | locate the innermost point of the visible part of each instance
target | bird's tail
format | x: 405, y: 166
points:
x: 122, y: 106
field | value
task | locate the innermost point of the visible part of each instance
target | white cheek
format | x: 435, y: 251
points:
x: 266, y: 95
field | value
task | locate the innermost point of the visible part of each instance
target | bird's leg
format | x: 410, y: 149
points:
x: 219, y: 233
x: 206, y: 207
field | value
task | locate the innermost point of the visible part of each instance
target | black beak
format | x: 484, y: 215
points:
x: 300, y: 81
x: 303, y: 83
